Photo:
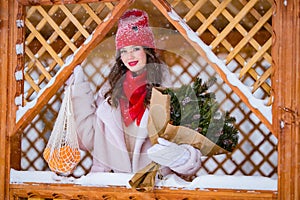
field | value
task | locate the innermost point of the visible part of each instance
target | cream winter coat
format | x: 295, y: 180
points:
x: 100, y: 131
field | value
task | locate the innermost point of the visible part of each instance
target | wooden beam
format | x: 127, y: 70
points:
x: 58, y: 2
x: 286, y: 107
x: 17, y: 37
x: 15, y: 88
x: 165, y: 8
x: 8, y: 63
x: 52, y: 87
x: 66, y: 191
x: 4, y: 35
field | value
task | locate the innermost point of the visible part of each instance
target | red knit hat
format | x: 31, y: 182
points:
x: 133, y: 29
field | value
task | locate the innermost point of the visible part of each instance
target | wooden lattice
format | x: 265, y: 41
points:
x: 257, y: 150
x: 61, y: 30
x: 235, y: 34
x: 242, y: 41
x: 255, y: 155
x: 52, y: 34
x: 235, y: 14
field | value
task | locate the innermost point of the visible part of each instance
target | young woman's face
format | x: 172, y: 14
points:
x: 134, y: 57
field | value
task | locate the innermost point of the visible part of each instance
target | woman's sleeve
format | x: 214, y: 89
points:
x: 166, y: 76
x: 84, y: 109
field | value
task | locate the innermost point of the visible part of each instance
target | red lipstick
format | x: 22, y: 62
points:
x: 132, y: 63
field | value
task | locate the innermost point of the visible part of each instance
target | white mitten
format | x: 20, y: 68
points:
x: 168, y: 153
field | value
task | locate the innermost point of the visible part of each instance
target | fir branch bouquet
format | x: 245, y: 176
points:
x: 187, y: 115
x: 194, y: 107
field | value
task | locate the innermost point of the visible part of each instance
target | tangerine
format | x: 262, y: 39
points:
x: 63, y: 159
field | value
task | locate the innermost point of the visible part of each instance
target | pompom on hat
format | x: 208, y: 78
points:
x: 133, y: 29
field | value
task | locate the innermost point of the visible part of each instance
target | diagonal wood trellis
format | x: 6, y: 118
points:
x: 79, y: 54
x: 60, y: 36
x: 261, y: 50
x: 55, y: 35
x: 43, y: 87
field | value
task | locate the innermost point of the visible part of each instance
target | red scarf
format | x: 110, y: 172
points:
x: 132, y: 107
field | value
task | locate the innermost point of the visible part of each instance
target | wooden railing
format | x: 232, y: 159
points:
x: 65, y: 191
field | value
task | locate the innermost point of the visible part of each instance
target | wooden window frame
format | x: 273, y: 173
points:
x: 285, y: 125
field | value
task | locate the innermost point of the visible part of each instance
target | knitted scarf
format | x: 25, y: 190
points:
x: 132, y: 106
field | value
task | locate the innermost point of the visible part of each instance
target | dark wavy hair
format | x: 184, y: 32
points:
x: 117, y: 75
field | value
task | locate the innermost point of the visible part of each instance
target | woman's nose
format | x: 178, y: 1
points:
x: 130, y: 54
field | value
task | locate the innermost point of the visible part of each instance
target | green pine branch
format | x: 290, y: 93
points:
x: 196, y: 108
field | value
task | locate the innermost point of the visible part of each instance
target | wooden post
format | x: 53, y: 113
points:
x: 286, y: 83
x: 3, y: 96
x: 8, y: 63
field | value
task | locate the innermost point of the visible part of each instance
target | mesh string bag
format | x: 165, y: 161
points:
x: 62, y: 151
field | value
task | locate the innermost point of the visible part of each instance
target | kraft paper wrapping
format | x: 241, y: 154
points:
x: 158, y: 126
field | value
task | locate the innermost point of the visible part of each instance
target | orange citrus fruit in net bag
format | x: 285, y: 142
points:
x: 63, y: 159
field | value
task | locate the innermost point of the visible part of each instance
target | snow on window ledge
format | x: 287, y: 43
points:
x: 121, y: 179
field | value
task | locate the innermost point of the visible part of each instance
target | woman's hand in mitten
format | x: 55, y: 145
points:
x: 183, y: 159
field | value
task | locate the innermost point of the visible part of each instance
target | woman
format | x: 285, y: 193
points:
x: 114, y: 127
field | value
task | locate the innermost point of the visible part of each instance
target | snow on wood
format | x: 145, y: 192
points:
x: 19, y: 75
x: 107, y: 17
x: 19, y: 49
x: 19, y: 100
x: 102, y: 179
x: 20, y: 23
x: 22, y: 110
x: 88, y: 39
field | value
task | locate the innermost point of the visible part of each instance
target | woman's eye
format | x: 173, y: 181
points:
x: 133, y: 49
x: 123, y: 51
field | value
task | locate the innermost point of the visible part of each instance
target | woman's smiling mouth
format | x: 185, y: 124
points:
x: 132, y: 63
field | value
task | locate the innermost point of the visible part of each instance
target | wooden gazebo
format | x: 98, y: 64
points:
x: 259, y: 41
